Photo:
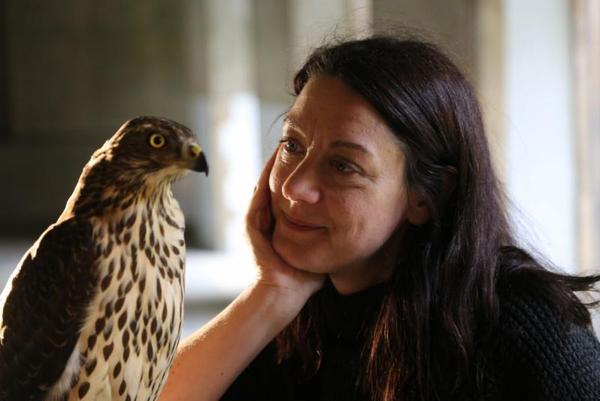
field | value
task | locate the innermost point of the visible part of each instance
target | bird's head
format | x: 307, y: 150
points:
x: 141, y: 160
x: 155, y: 147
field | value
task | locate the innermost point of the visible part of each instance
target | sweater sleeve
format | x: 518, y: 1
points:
x: 545, y: 357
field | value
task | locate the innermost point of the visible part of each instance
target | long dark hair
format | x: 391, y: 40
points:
x: 444, y: 292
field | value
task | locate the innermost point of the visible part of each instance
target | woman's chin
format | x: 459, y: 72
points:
x: 298, y: 259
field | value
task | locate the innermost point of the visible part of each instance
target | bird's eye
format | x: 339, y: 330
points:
x: 157, y: 141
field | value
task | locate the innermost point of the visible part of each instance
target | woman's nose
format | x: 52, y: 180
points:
x: 301, y: 185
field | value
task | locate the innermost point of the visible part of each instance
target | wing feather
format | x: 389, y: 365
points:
x: 45, y: 310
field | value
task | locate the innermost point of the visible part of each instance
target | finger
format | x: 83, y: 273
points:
x: 261, y: 193
x: 263, y: 180
x: 259, y: 212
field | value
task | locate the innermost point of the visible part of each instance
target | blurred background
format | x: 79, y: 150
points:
x: 71, y: 72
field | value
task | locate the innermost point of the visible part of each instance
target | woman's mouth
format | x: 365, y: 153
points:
x: 298, y: 225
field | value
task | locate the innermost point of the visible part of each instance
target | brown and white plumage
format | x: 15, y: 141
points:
x: 93, y: 311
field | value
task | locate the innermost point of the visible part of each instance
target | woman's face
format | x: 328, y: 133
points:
x: 337, y: 186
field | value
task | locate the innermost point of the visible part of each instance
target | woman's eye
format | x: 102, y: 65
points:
x: 290, y: 145
x: 342, y: 166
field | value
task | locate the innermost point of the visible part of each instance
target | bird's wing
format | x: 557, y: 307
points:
x: 45, y: 310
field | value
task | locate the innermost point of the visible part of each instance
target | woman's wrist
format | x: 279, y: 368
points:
x: 282, y: 304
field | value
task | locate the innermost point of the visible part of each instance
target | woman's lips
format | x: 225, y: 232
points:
x: 299, y: 225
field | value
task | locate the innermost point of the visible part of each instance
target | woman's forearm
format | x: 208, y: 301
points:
x: 209, y: 360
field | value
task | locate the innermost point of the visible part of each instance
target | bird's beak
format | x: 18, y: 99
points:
x: 200, y: 163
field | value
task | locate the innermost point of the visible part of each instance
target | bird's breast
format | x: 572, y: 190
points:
x: 129, y: 339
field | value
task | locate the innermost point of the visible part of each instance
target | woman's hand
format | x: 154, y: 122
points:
x: 273, y: 271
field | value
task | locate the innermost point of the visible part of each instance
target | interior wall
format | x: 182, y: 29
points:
x: 4, y: 126
x: 73, y: 75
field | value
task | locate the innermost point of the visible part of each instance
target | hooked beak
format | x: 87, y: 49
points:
x: 200, y: 163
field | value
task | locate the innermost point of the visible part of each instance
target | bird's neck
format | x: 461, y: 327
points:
x: 103, y: 192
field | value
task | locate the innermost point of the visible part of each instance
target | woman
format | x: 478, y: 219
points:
x: 387, y: 268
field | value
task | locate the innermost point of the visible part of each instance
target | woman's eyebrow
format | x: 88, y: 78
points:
x: 290, y: 123
x: 336, y: 144
x: 351, y: 145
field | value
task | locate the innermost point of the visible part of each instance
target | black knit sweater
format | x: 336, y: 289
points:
x: 531, y: 354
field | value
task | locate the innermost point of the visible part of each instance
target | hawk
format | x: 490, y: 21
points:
x: 93, y: 311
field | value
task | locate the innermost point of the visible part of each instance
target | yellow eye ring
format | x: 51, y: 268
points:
x: 157, y: 141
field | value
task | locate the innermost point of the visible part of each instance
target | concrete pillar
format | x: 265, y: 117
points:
x: 586, y: 17
x: 234, y: 125
x: 196, y: 193
x: 489, y: 75
x: 273, y: 72
x: 453, y: 26
x: 315, y: 22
